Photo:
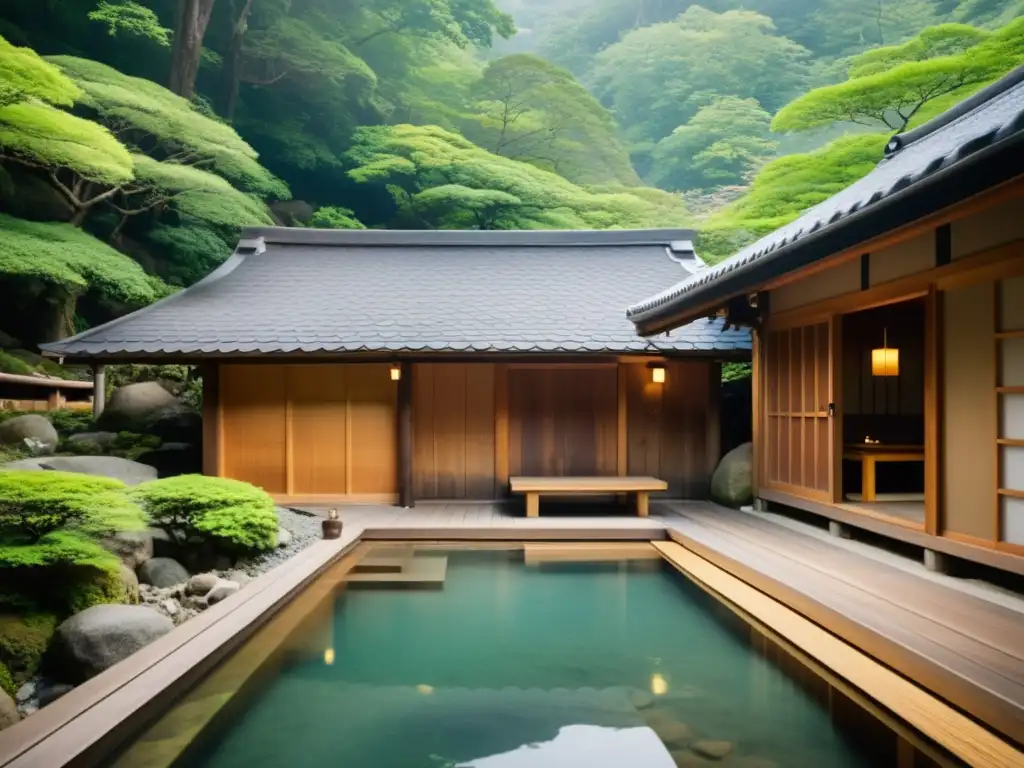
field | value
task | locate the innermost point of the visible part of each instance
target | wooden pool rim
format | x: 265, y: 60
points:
x: 86, y: 725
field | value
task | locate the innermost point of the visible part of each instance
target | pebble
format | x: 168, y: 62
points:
x: 715, y: 750
x: 26, y: 692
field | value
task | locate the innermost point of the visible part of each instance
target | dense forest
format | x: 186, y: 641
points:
x: 136, y: 138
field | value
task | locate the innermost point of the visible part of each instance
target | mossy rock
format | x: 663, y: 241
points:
x: 23, y: 641
x: 97, y: 586
x: 7, y: 684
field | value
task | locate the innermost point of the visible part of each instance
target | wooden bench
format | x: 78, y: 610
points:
x: 535, y: 487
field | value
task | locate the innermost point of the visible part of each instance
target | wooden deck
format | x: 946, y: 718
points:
x: 961, y: 643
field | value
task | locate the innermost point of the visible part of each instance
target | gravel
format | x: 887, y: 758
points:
x: 305, y: 530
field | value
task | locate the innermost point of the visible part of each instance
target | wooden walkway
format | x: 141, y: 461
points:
x: 966, y: 649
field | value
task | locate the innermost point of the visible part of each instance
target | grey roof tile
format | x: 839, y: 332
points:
x: 403, y: 292
x: 985, y: 119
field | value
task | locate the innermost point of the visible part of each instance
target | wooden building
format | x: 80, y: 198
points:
x: 889, y: 344
x: 384, y: 365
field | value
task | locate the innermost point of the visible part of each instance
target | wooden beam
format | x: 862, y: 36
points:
x: 713, y: 437
x: 501, y: 429
x: 622, y: 424
x: 835, y: 421
x: 99, y: 391
x: 405, y: 437
x: 865, y: 271
x: 933, y: 412
x: 211, y: 420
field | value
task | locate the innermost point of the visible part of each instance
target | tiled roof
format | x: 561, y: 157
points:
x: 933, y: 152
x: 295, y: 290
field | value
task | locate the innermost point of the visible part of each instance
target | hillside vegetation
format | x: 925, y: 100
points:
x: 136, y: 138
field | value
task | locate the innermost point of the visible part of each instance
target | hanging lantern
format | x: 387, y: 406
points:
x: 885, y: 361
x: 657, y: 372
x: 396, y: 372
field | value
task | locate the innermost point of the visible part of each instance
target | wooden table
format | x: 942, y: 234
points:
x: 871, y: 454
x: 535, y: 487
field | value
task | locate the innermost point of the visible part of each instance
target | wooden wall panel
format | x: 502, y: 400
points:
x: 968, y: 463
x: 318, y: 397
x: 454, y: 430
x: 372, y: 437
x: 563, y: 421
x: 671, y: 426
x: 253, y: 425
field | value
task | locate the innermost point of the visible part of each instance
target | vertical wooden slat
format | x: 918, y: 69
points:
x: 405, y: 438
x: 424, y: 464
x: 502, y: 438
x: 480, y: 438
x: 622, y: 424
x: 713, y: 444
x: 211, y: 419
x: 834, y: 456
x: 450, y: 429
x: 757, y: 430
x: 932, y: 410
x: 289, y: 449
x: 317, y: 427
x: 253, y: 399
x: 372, y: 400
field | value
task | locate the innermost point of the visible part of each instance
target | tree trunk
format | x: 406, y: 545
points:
x: 60, y: 320
x: 232, y: 76
x: 193, y: 17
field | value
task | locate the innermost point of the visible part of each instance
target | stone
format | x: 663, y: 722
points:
x: 201, y: 583
x: 672, y: 732
x: 172, y: 459
x: 131, y: 585
x: 128, y: 472
x: 713, y: 750
x: 164, y: 544
x: 50, y: 692
x: 221, y: 590
x: 176, y: 423
x: 132, y: 407
x: 641, y: 699
x: 26, y: 692
x: 284, y: 538
x: 8, y: 711
x: 132, y: 547
x: 291, y: 213
x: 684, y: 758
x: 240, y: 577
x: 162, y: 572
x: 170, y: 607
x: 102, y: 440
x: 99, y: 637
x: 732, y: 481
x: 30, y: 430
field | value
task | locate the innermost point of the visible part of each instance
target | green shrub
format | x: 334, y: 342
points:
x: 229, y: 513
x: 51, y: 526
x: 6, y: 681
x: 11, y: 364
x: 23, y: 641
x: 70, y: 422
x: 79, y: 447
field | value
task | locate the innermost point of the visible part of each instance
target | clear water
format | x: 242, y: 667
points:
x: 505, y: 655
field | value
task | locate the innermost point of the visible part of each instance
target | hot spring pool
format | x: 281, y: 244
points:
x: 492, y: 658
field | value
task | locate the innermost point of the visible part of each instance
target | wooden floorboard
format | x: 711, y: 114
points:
x: 966, y: 649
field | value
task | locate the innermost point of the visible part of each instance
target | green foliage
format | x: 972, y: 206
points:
x: 410, y: 160
x: 720, y: 145
x: 23, y: 641
x: 7, y: 684
x: 656, y: 78
x: 130, y: 18
x: 65, y: 256
x: 69, y: 422
x: 736, y: 371
x: 146, y: 112
x: 86, y: 587
x: 334, y: 217
x: 531, y: 110
x: 25, y: 75
x: 888, y: 86
x: 230, y: 513
x: 11, y: 364
x: 190, y: 251
x: 71, y: 508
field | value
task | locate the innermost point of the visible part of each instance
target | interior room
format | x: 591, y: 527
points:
x: 883, y: 410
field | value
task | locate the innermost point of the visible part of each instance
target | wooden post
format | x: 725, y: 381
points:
x: 642, y: 503
x: 99, y: 391
x: 533, y: 504
x: 211, y: 420
x: 405, y: 469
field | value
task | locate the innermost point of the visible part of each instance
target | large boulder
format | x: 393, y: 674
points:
x: 132, y: 547
x: 162, y: 572
x: 291, y: 213
x: 176, y: 424
x: 133, y: 407
x: 8, y: 711
x: 172, y: 459
x: 30, y: 431
x: 732, y: 482
x: 101, y: 441
x: 125, y: 470
x: 97, y: 638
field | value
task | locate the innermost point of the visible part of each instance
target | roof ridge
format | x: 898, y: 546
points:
x: 955, y: 113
